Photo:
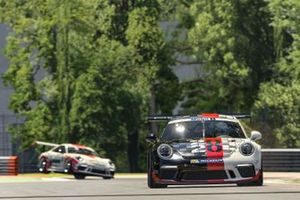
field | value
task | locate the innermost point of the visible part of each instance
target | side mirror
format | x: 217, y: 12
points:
x: 151, y: 138
x: 255, y: 135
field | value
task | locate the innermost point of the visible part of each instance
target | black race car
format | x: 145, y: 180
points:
x: 202, y: 149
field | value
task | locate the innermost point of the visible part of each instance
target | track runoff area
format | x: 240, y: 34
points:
x: 134, y: 186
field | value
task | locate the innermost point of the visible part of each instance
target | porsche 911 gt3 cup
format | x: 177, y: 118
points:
x: 76, y: 159
x: 203, y: 149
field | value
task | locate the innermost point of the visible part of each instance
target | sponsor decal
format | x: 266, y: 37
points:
x: 202, y: 161
x: 194, y: 119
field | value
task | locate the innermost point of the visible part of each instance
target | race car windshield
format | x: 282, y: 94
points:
x: 194, y: 130
x: 86, y: 152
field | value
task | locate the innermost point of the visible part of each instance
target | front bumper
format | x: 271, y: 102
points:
x: 226, y: 170
x: 95, y: 171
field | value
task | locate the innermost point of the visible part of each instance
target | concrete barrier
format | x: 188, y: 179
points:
x: 284, y: 160
x: 9, y: 165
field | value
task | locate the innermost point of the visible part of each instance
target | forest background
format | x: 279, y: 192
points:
x: 91, y: 71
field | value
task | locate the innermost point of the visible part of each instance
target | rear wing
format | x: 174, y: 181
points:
x: 227, y: 115
x: 47, y: 144
x: 157, y: 118
x: 246, y: 116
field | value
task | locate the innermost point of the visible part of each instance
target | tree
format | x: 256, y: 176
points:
x: 278, y: 100
x: 98, y: 61
x: 52, y: 39
x: 233, y: 43
x: 151, y: 61
x: 249, y: 54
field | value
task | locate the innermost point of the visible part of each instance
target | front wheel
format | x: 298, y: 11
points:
x: 68, y: 167
x: 43, y: 166
x: 111, y: 175
x: 79, y: 176
x: 151, y: 182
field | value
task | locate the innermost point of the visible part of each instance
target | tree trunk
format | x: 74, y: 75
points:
x: 133, y: 151
x: 152, y: 105
x: 63, y: 64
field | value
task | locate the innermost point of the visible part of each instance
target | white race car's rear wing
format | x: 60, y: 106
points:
x: 47, y: 144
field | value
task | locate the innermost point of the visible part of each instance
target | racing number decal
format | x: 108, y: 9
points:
x: 214, y: 146
x: 214, y: 150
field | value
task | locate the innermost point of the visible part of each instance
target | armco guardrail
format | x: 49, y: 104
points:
x: 281, y: 159
x: 9, y: 165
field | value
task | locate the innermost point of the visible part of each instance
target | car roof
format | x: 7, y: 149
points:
x: 78, y: 146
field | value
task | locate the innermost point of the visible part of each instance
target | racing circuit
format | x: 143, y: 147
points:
x: 277, y: 186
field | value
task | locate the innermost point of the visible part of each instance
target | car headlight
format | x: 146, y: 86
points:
x: 247, y: 149
x: 80, y: 159
x: 111, y: 163
x: 165, y: 151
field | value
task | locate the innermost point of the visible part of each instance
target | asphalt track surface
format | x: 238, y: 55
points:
x: 136, y: 188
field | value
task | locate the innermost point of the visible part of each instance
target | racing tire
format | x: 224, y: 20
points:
x: 109, y: 177
x: 69, y: 167
x: 42, y: 166
x: 79, y: 176
x: 150, y: 181
x: 258, y: 182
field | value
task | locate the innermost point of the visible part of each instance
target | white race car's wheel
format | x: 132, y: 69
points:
x: 109, y: 177
x: 43, y: 166
x: 79, y: 176
x: 69, y: 167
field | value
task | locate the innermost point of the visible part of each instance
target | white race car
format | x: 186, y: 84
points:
x: 79, y: 160
x: 203, y: 149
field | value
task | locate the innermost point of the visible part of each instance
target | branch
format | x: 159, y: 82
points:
x: 201, y: 90
x: 186, y: 4
x: 183, y: 48
x: 188, y: 62
x: 199, y: 80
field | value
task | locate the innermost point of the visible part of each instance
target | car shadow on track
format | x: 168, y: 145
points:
x: 200, y: 186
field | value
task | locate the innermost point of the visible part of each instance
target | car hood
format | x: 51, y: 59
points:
x: 90, y: 159
x: 208, y: 147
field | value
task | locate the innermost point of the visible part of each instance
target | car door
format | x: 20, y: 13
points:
x: 57, y: 158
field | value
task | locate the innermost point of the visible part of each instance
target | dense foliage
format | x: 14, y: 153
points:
x: 90, y: 71
x: 249, y: 53
x: 278, y: 103
x: 83, y: 71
